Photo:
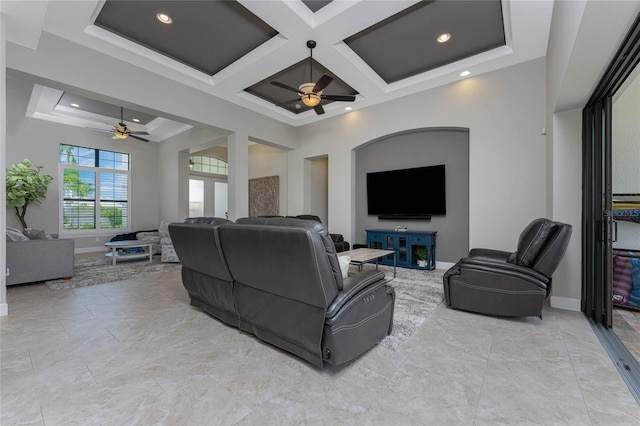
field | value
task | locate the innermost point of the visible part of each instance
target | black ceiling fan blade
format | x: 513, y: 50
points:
x: 341, y: 98
x: 138, y: 133
x: 322, y: 83
x: 284, y: 86
x: 288, y: 102
x: 318, y: 109
x: 139, y: 138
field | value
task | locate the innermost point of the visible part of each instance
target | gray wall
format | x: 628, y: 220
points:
x: 426, y: 147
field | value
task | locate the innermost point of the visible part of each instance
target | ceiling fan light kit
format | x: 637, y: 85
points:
x: 312, y: 94
x: 121, y: 131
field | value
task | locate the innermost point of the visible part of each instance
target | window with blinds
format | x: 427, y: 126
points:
x: 95, y: 189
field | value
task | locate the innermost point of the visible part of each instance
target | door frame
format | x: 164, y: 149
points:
x: 597, y: 220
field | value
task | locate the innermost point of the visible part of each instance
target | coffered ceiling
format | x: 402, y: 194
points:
x: 375, y: 50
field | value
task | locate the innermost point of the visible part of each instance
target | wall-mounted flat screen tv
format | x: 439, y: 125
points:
x: 408, y: 192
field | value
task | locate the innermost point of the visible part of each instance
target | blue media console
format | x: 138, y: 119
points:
x: 405, y: 244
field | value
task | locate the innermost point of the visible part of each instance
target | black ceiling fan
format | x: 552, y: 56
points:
x: 312, y: 94
x: 121, y: 131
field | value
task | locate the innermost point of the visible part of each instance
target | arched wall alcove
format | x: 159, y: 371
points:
x: 419, y: 148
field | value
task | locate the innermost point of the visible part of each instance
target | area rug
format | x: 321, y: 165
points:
x: 418, y: 294
x: 99, y: 270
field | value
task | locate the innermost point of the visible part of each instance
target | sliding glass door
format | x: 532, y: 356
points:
x: 603, y: 198
x: 599, y: 229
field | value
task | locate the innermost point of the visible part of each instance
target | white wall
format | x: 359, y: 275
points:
x: 268, y: 161
x: 567, y: 205
x: 504, y: 112
x: 584, y: 36
x: 4, y: 309
x: 40, y: 140
x: 65, y: 65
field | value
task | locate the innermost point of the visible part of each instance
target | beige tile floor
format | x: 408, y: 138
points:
x: 135, y: 352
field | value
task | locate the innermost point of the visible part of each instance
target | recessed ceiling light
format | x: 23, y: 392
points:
x: 443, y: 38
x: 75, y: 105
x: 465, y: 73
x: 137, y: 120
x: 164, y: 18
x: 348, y: 109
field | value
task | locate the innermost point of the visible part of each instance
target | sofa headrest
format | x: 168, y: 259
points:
x: 207, y: 220
x: 553, y: 252
x: 309, y: 217
x: 542, y: 245
x: 198, y: 248
x: 532, y: 240
x: 287, y: 260
x: 329, y: 246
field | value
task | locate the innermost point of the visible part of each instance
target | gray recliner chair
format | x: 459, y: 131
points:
x: 338, y: 240
x: 509, y: 284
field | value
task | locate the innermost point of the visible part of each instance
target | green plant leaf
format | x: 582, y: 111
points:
x: 26, y: 185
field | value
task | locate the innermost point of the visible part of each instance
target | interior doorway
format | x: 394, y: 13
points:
x: 207, y: 197
x: 208, y: 189
x: 316, y: 194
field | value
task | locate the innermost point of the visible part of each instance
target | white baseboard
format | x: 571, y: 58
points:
x: 90, y: 249
x: 4, y: 309
x: 444, y: 265
x: 566, y: 303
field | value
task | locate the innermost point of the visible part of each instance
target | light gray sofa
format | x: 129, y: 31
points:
x: 39, y: 260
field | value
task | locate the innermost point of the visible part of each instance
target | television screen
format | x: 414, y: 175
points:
x: 418, y: 191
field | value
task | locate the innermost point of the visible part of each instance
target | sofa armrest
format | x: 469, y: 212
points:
x: 352, y: 286
x: 489, y: 254
x: 504, y: 268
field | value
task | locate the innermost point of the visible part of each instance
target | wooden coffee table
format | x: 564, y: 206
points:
x: 367, y: 255
x: 114, y: 246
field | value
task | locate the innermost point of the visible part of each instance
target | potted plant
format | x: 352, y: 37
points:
x: 25, y: 185
x: 421, y: 256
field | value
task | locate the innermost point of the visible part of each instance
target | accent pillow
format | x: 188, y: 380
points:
x: 622, y: 282
x: 15, y: 235
x: 344, y: 265
x: 163, y: 230
x: 35, y: 234
x: 634, y: 295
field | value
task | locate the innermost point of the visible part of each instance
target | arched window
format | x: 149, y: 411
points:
x: 210, y: 165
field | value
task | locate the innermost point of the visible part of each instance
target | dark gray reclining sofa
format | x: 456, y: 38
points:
x: 279, y: 279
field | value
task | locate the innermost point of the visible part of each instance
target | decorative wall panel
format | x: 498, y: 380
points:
x: 263, y: 196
